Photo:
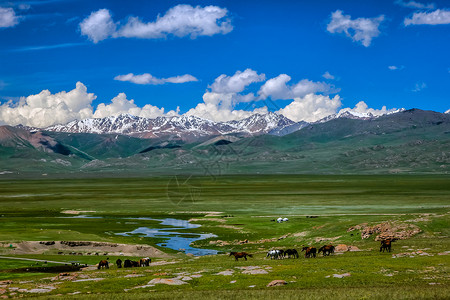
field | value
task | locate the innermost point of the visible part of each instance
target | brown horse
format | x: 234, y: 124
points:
x: 103, y: 263
x: 327, y: 250
x: 145, y: 262
x: 309, y: 252
x: 240, y: 255
x: 386, y: 244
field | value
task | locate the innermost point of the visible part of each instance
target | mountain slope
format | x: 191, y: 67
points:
x: 186, y: 127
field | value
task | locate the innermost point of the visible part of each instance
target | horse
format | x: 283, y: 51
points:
x: 275, y: 254
x: 386, y: 244
x: 130, y: 263
x: 119, y: 263
x: 326, y: 249
x: 290, y: 252
x: 240, y: 255
x: 309, y: 252
x: 103, y: 263
x: 145, y: 262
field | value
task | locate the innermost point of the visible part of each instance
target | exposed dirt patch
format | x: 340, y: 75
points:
x: 207, y: 219
x: 77, y: 212
x: 385, y: 230
x: 84, y: 247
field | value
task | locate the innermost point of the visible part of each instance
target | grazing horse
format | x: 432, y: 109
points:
x: 240, y: 255
x: 145, y: 262
x: 326, y: 249
x: 290, y: 252
x: 386, y: 244
x: 275, y: 254
x: 130, y: 263
x: 103, y: 263
x: 119, y: 263
x: 309, y: 252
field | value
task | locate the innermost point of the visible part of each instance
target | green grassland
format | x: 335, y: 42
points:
x: 31, y: 210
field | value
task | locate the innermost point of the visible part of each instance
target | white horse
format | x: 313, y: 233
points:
x: 275, y: 254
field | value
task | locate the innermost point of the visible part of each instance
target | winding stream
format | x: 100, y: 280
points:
x: 175, y: 239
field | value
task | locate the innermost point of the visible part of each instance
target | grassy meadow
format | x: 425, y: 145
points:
x: 235, y: 209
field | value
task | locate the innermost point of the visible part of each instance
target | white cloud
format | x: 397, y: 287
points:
x: 181, y: 79
x: 447, y: 112
x: 415, y: 5
x: 311, y: 108
x: 24, y: 6
x: 8, y: 17
x: 327, y: 75
x: 237, y: 83
x: 361, y: 30
x: 121, y: 105
x: 277, y: 88
x: 45, y: 108
x: 363, y: 110
x: 98, y: 26
x: 437, y: 17
x: 419, y: 86
x: 147, y: 78
x: 180, y: 21
x: 395, y: 68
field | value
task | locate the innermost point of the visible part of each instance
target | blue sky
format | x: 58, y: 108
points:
x: 385, y: 53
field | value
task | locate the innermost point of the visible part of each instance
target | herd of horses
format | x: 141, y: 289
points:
x: 127, y: 263
x: 310, y: 252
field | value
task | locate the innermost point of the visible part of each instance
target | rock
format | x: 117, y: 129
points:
x: 233, y: 281
x: 168, y: 281
x: 190, y: 255
x: 255, y: 272
x: 353, y: 248
x: 341, y: 275
x: 277, y: 283
x: 226, y: 273
x: 444, y: 253
x: 133, y: 275
x: 341, y: 248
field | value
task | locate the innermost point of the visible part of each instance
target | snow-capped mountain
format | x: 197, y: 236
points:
x: 349, y: 114
x: 185, y: 127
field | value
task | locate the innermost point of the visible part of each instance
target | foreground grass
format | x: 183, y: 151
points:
x: 31, y: 210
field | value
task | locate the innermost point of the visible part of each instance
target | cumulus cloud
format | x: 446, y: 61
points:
x: 8, y: 17
x: 415, y: 5
x: 362, y: 109
x: 45, y: 108
x: 277, y: 88
x: 98, y: 26
x: 180, y: 21
x: 311, y: 108
x: 211, y: 111
x: 437, y: 17
x: 147, y: 78
x: 361, y: 30
x: 327, y: 75
x: 237, y: 83
x: 419, y: 86
x: 448, y: 111
x: 121, y: 105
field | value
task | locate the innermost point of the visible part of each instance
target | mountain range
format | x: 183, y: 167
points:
x: 407, y: 141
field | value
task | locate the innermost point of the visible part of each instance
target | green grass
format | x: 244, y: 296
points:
x: 31, y: 210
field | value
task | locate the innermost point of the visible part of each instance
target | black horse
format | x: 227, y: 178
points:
x: 119, y: 263
x: 130, y: 263
x: 291, y: 252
